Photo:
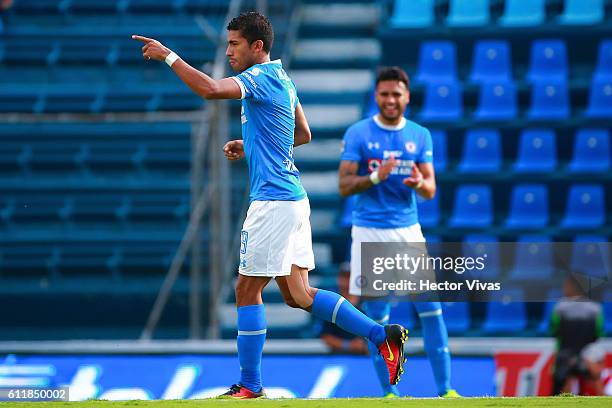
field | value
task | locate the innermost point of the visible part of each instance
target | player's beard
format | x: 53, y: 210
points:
x: 394, y: 117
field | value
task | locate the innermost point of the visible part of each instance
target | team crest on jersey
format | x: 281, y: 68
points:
x: 411, y: 147
x: 373, y: 164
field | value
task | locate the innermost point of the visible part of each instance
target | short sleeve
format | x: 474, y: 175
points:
x: 351, y: 146
x: 426, y: 154
x: 252, y: 83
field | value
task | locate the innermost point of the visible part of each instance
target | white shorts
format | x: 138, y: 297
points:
x: 276, y: 235
x: 412, y: 233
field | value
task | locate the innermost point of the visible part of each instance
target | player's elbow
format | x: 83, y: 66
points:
x: 209, y: 91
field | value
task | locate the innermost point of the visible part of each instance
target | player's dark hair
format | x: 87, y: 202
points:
x: 393, y: 74
x: 254, y: 26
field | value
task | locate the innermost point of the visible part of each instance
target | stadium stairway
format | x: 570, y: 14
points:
x: 332, y: 67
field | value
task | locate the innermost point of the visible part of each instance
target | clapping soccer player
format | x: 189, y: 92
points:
x: 276, y: 238
x: 386, y: 159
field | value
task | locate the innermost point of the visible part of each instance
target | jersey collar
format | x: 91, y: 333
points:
x: 381, y: 125
x: 276, y: 61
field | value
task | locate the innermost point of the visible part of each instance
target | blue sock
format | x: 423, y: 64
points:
x: 435, y: 338
x: 332, y: 307
x: 379, y: 311
x: 251, y: 338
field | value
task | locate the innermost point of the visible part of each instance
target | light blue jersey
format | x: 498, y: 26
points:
x: 390, y: 204
x: 269, y: 99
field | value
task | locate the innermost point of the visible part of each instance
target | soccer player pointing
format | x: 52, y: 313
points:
x: 386, y: 160
x: 276, y: 241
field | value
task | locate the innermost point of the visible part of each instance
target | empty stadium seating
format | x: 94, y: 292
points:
x: 481, y: 152
x: 537, y: 151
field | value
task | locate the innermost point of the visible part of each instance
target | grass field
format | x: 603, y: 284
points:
x: 582, y: 402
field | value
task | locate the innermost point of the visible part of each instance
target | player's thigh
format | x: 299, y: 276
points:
x: 296, y: 288
x: 300, y: 253
x: 266, y: 238
x: 359, y: 235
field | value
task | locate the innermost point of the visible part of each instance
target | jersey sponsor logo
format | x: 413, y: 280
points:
x: 402, y: 167
x: 411, y: 147
x: 243, y: 118
x: 250, y: 79
x: 394, y: 153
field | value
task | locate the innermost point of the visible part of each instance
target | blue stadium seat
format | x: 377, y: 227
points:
x: 497, y: 101
x: 37, y: 6
x: 548, y: 61
x: 98, y: 6
x: 77, y: 99
x: 521, y: 13
x: 582, y: 12
x: 591, y: 257
x: 437, y: 62
x: 429, y: 211
x: 440, y: 154
x: 607, y: 312
x: 442, y: 102
x: 533, y: 259
x: 152, y: 6
x: 600, y: 100
x: 585, y: 207
x: 491, y: 61
x: 508, y: 315
x: 456, y: 316
x: 549, y: 101
x: 480, y: 245
x: 529, y: 207
x: 481, y: 151
x: 412, y: 14
x: 537, y: 151
x: 14, y: 99
x: 468, y: 13
x: 473, y: 207
x: 591, y: 151
x: 603, y: 71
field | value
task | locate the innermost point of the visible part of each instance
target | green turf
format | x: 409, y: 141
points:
x: 582, y: 402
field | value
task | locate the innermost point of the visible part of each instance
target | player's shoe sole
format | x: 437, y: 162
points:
x: 237, y: 391
x: 392, y: 351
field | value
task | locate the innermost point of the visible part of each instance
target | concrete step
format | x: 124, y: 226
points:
x: 332, y: 81
x: 330, y: 51
x: 354, y: 15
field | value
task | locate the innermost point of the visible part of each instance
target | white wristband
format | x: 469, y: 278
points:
x: 171, y: 58
x: 374, y: 177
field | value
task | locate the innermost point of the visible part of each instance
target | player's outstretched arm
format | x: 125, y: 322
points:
x: 200, y: 83
x: 301, y: 134
x: 351, y: 183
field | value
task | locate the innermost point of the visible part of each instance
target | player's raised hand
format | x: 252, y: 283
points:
x: 416, y: 178
x: 385, y: 170
x: 152, y: 49
x: 234, y: 150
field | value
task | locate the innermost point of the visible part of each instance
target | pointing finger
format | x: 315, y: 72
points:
x: 141, y: 38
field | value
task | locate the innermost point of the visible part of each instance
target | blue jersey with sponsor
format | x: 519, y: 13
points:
x: 269, y: 99
x: 389, y: 204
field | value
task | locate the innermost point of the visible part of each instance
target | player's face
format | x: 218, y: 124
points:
x: 392, y: 98
x: 239, y: 52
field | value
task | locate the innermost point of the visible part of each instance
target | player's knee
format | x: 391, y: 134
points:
x: 289, y: 301
x: 302, y: 298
